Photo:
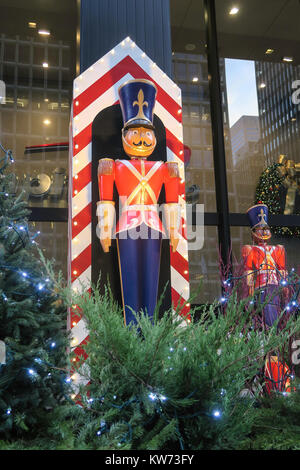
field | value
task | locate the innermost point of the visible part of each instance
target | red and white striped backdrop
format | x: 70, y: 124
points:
x: 94, y: 90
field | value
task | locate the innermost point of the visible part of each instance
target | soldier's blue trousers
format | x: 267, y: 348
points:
x: 139, y: 263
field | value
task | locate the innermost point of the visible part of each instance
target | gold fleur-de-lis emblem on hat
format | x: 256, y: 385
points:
x: 140, y: 103
x: 262, y: 216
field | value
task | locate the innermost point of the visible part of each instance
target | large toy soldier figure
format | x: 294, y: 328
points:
x: 139, y: 230
x: 264, y: 264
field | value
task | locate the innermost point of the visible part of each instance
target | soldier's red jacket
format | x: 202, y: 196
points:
x: 267, y: 263
x: 139, y: 183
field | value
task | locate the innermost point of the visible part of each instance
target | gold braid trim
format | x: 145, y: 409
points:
x: 105, y: 166
x: 173, y: 169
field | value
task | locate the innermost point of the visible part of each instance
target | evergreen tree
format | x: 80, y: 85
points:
x: 270, y: 191
x: 33, y: 337
x: 165, y: 387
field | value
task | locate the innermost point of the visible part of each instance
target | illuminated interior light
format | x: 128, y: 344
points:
x: 195, y: 79
x: 262, y: 85
x: 269, y: 51
x: 75, y: 222
x: 77, y: 103
x: 32, y: 24
x: 44, y: 32
x: 46, y: 122
x: 45, y: 65
x: 234, y: 11
x: 287, y: 59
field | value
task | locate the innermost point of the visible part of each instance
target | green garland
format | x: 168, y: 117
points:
x: 268, y: 192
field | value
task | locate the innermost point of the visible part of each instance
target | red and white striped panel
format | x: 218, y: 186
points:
x: 94, y: 90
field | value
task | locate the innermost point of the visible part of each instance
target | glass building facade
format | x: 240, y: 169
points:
x: 238, y: 71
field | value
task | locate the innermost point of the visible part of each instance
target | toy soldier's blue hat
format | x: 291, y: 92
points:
x: 258, y: 216
x: 137, y: 100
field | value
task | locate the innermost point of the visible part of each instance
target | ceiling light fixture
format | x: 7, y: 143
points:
x: 269, y: 51
x: 32, y: 24
x: 287, y: 59
x: 45, y: 65
x: 46, y: 122
x: 195, y: 79
x: 190, y: 47
x: 234, y: 11
x: 44, y: 32
x: 262, y: 85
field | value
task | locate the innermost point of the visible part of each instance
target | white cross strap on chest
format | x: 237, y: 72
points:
x: 143, y: 180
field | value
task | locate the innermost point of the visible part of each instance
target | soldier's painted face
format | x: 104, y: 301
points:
x: 138, y: 142
x: 261, y: 234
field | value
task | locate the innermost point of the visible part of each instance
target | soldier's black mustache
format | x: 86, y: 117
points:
x: 142, y: 142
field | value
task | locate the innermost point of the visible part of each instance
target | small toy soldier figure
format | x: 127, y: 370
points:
x: 265, y: 269
x: 139, y: 230
x: 264, y: 264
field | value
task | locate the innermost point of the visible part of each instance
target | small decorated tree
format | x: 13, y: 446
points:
x: 270, y: 190
x: 33, y: 339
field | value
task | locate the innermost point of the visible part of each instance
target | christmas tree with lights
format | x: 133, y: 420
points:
x: 33, y: 339
x: 270, y: 191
